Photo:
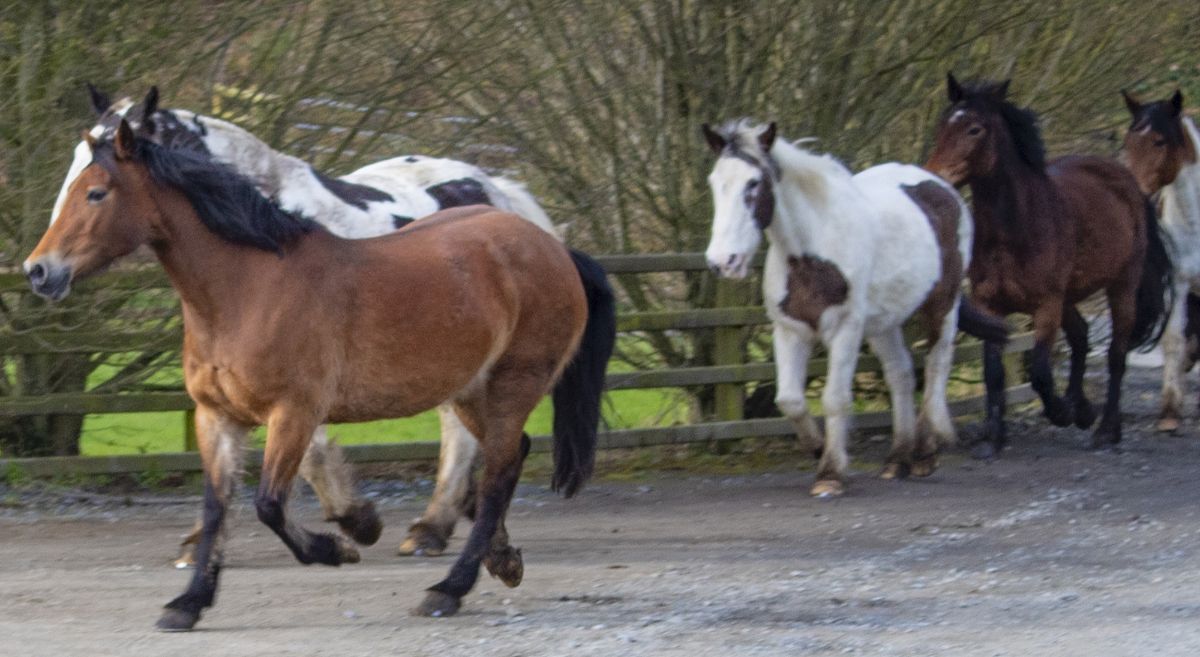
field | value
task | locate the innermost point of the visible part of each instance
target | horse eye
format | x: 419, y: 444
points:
x: 1160, y: 143
x: 974, y: 130
x: 752, y: 185
x: 96, y: 195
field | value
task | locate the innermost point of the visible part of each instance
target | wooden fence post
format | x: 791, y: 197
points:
x: 729, y: 398
x: 189, y: 431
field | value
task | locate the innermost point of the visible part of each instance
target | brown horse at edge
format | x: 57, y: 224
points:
x: 1048, y: 235
x: 288, y: 326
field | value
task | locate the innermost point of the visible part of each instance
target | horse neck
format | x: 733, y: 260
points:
x: 812, y: 201
x: 288, y: 179
x: 1006, y: 201
x: 209, y: 273
x: 1181, y: 199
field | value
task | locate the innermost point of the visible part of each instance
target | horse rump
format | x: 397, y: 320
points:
x: 576, y: 396
x: 976, y: 323
x: 1155, y: 291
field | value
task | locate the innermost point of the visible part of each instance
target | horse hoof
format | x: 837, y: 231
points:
x: 361, y: 523
x: 827, y: 488
x: 437, y: 605
x: 1085, y: 415
x: 177, y: 620
x: 346, y: 551
x: 185, y: 561
x: 422, y: 541
x: 923, y: 467
x: 894, y: 471
x: 1168, y: 424
x: 984, y: 451
x: 1103, y: 440
x: 506, y: 565
x: 1060, y: 417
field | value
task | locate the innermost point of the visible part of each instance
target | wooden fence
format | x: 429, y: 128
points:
x: 729, y: 375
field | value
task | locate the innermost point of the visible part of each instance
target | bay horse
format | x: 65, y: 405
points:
x: 289, y: 326
x: 850, y: 256
x: 375, y: 200
x: 1160, y: 148
x: 1049, y: 234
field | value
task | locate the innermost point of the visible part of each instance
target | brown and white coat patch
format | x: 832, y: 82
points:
x: 944, y: 211
x: 813, y: 285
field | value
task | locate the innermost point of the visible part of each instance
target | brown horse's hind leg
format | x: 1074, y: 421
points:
x: 1076, y: 330
x: 220, y: 443
x: 504, y: 449
x: 1122, y: 308
x: 325, y: 469
x: 1046, y: 321
x: 288, y: 435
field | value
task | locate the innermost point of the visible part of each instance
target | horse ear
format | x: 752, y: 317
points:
x: 123, y: 143
x: 767, y: 138
x: 100, y: 100
x: 715, y: 141
x: 1131, y: 103
x: 954, y: 90
x: 1001, y: 90
x: 1177, y: 102
x: 149, y: 107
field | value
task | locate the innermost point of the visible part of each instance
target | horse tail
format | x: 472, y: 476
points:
x: 521, y: 202
x: 576, y: 396
x: 1155, y: 292
x: 976, y: 323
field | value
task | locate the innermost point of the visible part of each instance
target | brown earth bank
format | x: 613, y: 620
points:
x: 1052, y: 550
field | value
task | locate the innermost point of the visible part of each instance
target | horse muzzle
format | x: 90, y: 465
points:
x: 732, y: 265
x: 48, y: 279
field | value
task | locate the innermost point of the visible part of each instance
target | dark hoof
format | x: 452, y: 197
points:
x: 347, y: 553
x: 423, y: 541
x: 506, y: 565
x: 895, y: 471
x: 177, y: 620
x: 984, y: 450
x: 1085, y: 414
x: 1060, y: 415
x: 437, y: 605
x: 361, y: 523
x: 925, y: 466
x: 1105, y: 439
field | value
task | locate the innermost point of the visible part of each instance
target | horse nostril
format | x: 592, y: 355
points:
x: 37, y: 274
x: 732, y: 259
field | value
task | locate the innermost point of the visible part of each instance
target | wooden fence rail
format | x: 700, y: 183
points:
x: 729, y: 374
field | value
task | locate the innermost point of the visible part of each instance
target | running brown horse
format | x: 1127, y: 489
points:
x: 1048, y: 235
x: 475, y: 306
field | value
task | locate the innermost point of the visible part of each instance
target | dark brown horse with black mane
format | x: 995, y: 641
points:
x: 288, y: 326
x: 1048, y: 235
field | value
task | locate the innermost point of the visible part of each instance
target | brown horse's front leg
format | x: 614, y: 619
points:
x: 1076, y: 330
x: 503, y: 458
x: 220, y: 442
x: 1046, y: 321
x: 288, y: 434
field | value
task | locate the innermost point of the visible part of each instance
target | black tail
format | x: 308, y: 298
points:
x: 975, y: 322
x: 577, y: 394
x: 1155, y: 292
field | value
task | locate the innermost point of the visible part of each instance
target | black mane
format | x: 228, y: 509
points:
x: 227, y: 202
x: 1022, y: 122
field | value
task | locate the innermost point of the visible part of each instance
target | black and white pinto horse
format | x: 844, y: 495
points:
x: 851, y: 256
x: 374, y: 200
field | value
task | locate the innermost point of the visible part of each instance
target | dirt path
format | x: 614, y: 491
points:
x: 1052, y: 551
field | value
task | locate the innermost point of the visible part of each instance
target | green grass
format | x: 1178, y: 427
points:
x: 145, y: 433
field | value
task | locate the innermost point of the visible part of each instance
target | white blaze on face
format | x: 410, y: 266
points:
x: 735, y: 235
x: 83, y: 157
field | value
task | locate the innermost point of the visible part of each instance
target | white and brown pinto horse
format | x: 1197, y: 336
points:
x: 289, y: 326
x: 851, y: 256
x: 372, y: 201
x: 1161, y: 149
